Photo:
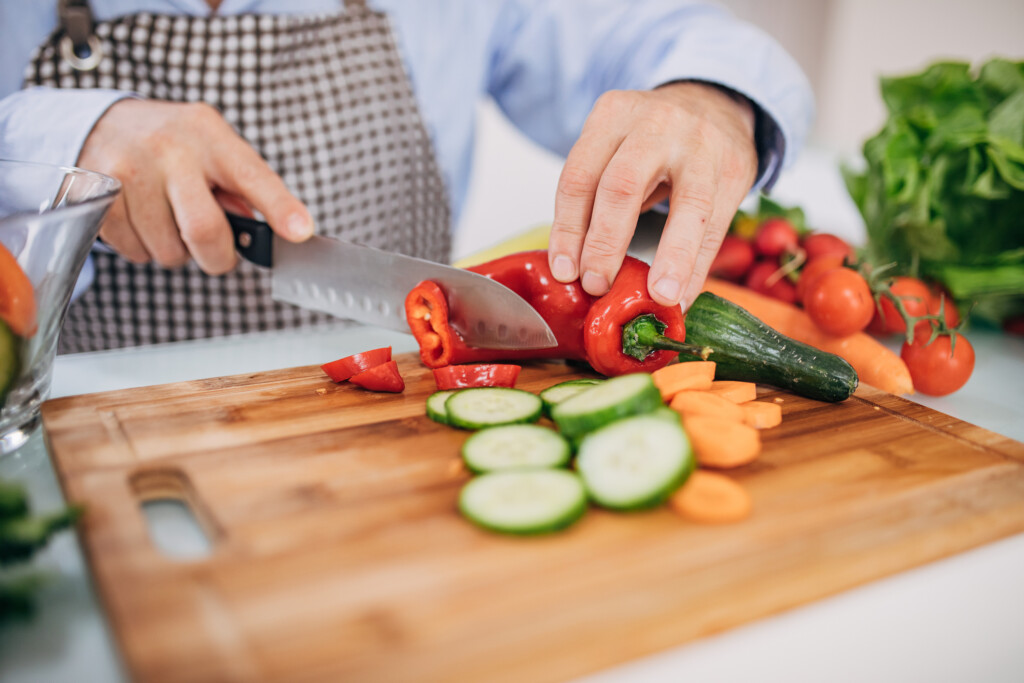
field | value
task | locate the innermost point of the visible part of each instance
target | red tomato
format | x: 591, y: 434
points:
x: 17, y: 298
x: 487, y: 375
x: 734, y: 259
x: 383, y: 377
x: 916, y: 299
x: 343, y: 368
x: 774, y: 237
x: 782, y: 289
x: 812, y: 269
x: 938, y: 368
x: 941, y: 298
x: 818, y: 244
x: 839, y: 302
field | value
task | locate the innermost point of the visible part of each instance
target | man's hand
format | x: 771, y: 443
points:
x: 689, y: 142
x: 172, y: 159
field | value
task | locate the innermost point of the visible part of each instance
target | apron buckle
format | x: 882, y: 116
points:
x: 79, y: 46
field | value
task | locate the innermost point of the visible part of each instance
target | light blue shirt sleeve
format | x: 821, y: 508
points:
x: 50, y: 125
x: 552, y: 61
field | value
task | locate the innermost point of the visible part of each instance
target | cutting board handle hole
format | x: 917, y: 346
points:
x: 174, y: 528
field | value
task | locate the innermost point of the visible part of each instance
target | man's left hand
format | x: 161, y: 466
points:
x: 689, y: 142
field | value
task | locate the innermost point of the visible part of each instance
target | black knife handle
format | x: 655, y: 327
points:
x: 254, y: 239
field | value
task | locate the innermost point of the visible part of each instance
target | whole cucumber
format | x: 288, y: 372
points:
x: 746, y: 349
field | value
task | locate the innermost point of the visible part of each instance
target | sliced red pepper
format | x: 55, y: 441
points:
x: 17, y: 298
x: 383, y: 377
x: 344, y: 368
x: 466, y: 376
x: 588, y: 328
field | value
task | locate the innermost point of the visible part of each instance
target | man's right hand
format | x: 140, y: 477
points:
x: 172, y: 160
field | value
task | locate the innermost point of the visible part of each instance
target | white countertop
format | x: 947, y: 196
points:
x: 958, y: 619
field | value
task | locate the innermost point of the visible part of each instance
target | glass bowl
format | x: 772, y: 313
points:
x: 49, y: 218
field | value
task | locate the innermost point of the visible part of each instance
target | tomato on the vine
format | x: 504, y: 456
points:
x: 939, y: 367
x: 839, y: 302
x: 940, y: 298
x: 812, y: 269
x: 916, y: 299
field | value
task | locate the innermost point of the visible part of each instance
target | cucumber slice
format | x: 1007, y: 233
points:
x: 10, y: 363
x: 636, y: 462
x: 491, y: 406
x: 516, y: 446
x: 524, y: 501
x: 611, y: 400
x: 435, y: 405
x: 557, y: 393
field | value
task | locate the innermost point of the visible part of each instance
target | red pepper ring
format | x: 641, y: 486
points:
x: 344, y: 368
x: 426, y: 311
x: 383, y: 377
x: 467, y: 376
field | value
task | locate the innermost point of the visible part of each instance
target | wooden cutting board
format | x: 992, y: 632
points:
x: 339, y: 554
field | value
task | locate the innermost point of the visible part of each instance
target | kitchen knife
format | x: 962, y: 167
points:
x: 370, y: 285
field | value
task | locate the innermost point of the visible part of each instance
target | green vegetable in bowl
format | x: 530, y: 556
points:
x: 942, y: 193
x: 9, y: 361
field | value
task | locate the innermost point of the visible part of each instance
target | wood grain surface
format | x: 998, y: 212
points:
x: 339, y: 554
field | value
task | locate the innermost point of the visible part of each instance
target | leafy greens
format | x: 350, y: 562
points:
x: 942, y: 194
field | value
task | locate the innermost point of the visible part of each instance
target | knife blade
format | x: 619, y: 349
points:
x: 370, y: 285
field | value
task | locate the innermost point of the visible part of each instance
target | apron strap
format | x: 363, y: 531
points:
x: 79, y: 47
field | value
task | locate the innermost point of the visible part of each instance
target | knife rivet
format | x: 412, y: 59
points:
x: 244, y: 240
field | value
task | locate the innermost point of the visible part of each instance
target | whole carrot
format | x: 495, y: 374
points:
x: 875, y: 364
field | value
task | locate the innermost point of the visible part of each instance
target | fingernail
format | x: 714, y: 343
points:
x: 563, y: 269
x: 668, y: 289
x: 593, y: 283
x: 300, y: 226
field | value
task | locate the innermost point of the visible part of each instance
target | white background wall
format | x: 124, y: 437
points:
x: 843, y: 46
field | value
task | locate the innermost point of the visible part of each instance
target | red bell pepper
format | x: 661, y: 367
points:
x: 587, y: 328
x: 383, y: 377
x: 466, y: 376
x: 344, y: 368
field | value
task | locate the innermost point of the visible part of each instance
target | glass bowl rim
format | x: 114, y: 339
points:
x: 113, y: 187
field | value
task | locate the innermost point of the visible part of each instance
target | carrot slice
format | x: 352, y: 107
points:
x: 875, y: 364
x: 706, y: 403
x: 720, y: 442
x: 737, y: 392
x: 761, y: 414
x: 677, y: 377
x: 712, y: 498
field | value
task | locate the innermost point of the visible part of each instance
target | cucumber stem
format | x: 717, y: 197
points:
x: 642, y: 336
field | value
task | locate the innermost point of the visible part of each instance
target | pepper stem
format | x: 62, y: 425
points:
x: 642, y: 336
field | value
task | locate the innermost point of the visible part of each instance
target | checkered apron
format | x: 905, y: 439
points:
x: 323, y: 98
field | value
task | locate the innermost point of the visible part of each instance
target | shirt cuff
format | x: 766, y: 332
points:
x: 50, y: 125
